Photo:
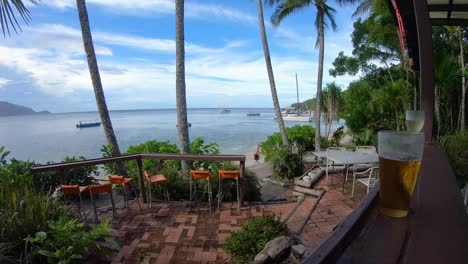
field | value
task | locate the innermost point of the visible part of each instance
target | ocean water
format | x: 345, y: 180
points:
x: 44, y: 138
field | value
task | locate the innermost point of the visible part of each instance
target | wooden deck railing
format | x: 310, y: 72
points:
x: 62, y: 168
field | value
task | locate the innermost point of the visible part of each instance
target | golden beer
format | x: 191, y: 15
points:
x: 397, y: 181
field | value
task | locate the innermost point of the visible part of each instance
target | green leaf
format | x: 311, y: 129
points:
x: 45, y: 253
x: 41, y: 235
x: 113, y: 242
x: 76, y: 256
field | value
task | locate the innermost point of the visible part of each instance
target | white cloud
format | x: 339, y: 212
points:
x: 193, y: 9
x: 4, y: 82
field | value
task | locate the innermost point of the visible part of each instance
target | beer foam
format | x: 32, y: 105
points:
x: 401, y: 156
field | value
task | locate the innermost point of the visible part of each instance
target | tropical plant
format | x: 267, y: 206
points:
x: 23, y: 212
x: 332, y: 100
x: 9, y: 9
x: 302, y: 136
x: 285, y: 163
x: 182, y: 123
x: 456, y: 147
x: 68, y: 241
x: 271, y: 77
x: 323, y: 19
x: 246, y: 243
x: 97, y: 85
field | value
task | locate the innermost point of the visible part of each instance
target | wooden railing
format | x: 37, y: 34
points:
x: 62, y: 168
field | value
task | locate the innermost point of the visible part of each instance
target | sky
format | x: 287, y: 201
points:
x: 44, y: 66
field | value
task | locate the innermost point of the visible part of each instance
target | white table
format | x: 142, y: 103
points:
x: 348, y: 158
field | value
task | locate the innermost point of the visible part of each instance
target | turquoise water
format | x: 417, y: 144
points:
x: 51, y: 137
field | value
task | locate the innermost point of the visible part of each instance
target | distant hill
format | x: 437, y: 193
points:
x: 306, y: 105
x: 9, y: 109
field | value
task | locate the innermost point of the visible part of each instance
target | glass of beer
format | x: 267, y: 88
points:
x: 400, y: 154
x: 414, y: 121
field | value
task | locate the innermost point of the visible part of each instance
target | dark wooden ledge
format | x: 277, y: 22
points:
x: 436, y: 231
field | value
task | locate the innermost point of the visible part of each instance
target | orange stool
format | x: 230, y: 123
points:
x: 232, y: 174
x: 199, y: 175
x: 94, y: 190
x: 124, y: 182
x: 156, y: 180
x: 77, y: 191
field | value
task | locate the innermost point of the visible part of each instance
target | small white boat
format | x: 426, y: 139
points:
x: 297, y: 118
x: 253, y: 114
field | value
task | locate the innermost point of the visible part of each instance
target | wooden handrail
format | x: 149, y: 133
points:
x: 65, y: 166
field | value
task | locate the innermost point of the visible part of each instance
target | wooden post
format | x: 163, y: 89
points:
x: 141, y: 180
x: 426, y: 64
x: 62, y: 176
x: 242, y: 182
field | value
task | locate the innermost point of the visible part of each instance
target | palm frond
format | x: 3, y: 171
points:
x: 287, y: 7
x: 9, y: 9
x: 329, y: 13
x: 363, y: 8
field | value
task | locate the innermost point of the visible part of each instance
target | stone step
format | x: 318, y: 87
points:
x: 302, y: 213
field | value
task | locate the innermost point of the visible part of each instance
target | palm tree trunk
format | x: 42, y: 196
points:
x: 97, y: 85
x: 180, y: 84
x: 274, y: 95
x: 319, y: 80
x: 462, y: 103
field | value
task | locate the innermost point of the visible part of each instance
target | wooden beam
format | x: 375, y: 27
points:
x: 449, y: 22
x: 242, y: 182
x: 426, y: 62
x: 444, y: 7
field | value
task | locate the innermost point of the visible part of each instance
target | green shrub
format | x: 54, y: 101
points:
x: 245, y: 244
x: 23, y: 212
x: 286, y: 165
x: 456, y: 146
x: 303, y: 136
x: 67, y: 241
x: 81, y: 176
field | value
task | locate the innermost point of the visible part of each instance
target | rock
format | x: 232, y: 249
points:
x: 278, y: 248
x: 298, y: 250
x: 261, y: 258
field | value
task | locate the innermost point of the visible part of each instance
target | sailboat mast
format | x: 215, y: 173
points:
x: 297, y: 92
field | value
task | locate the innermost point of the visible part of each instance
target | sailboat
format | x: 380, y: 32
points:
x: 298, y: 116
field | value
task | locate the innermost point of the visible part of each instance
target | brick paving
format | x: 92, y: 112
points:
x: 171, y: 233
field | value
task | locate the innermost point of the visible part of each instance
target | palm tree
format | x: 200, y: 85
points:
x: 271, y: 77
x: 332, y: 99
x: 97, y: 85
x: 8, y: 15
x: 323, y: 17
x: 182, y: 123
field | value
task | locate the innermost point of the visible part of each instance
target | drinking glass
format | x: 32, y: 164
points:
x: 400, y: 155
x: 414, y: 121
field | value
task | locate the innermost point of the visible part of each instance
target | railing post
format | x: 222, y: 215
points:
x: 141, y: 180
x: 62, y: 176
x: 242, y: 182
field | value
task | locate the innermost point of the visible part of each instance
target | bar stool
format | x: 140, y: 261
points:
x: 231, y: 174
x: 76, y: 191
x: 199, y: 175
x: 94, y: 190
x: 124, y: 182
x: 156, y: 180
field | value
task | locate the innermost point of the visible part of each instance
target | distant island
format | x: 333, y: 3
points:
x: 9, y: 109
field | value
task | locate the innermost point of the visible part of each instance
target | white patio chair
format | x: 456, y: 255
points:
x: 363, y: 166
x: 371, y: 177
x: 330, y: 163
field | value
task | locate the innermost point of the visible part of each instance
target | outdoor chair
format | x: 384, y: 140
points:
x: 157, y: 180
x: 77, y: 192
x: 223, y: 175
x: 199, y: 175
x: 371, y: 177
x: 125, y: 183
x: 330, y: 164
x: 364, y: 166
x: 94, y: 191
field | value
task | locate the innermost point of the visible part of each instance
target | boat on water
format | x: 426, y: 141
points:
x: 297, y: 118
x: 83, y: 124
x: 225, y: 111
x: 253, y: 114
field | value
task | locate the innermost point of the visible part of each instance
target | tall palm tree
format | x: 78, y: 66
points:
x: 324, y: 17
x: 182, y: 123
x: 97, y: 85
x: 8, y: 15
x: 271, y: 77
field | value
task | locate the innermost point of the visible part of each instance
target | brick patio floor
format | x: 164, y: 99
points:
x: 171, y: 233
